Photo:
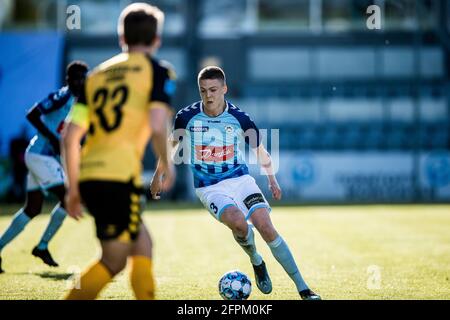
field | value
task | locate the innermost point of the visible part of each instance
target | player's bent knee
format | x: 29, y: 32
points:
x: 114, y: 259
x: 241, y: 230
x: 115, y: 266
x: 261, y: 220
x: 232, y: 215
x: 32, y: 212
x: 33, y: 204
x: 59, y: 192
x: 268, y: 233
x: 234, y: 219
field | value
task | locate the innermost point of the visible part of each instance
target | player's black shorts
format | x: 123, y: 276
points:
x: 115, y: 207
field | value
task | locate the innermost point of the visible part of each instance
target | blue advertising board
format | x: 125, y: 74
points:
x: 30, y: 68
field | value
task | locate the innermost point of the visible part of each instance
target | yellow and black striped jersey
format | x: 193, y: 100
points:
x: 115, y: 109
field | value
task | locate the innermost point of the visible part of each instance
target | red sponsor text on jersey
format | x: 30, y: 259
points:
x: 214, y: 154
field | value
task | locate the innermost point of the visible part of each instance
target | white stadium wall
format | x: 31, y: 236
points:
x: 361, y: 177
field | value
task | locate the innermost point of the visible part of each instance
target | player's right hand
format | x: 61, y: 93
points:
x: 155, y: 187
x: 73, y: 204
x: 163, y: 180
x: 274, y: 187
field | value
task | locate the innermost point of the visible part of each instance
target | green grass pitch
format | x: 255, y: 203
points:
x: 344, y: 252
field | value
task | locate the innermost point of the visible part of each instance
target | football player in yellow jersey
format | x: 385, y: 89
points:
x: 126, y: 100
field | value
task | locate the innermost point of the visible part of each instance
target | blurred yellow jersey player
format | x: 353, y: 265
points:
x: 119, y: 94
x: 126, y: 101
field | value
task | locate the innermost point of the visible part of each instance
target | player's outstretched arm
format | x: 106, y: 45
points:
x: 265, y: 161
x: 34, y: 117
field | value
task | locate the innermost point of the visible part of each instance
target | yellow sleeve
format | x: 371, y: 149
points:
x: 79, y: 115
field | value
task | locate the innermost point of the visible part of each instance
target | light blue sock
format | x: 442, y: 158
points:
x: 18, y: 223
x: 248, y: 244
x: 57, y: 217
x: 281, y: 252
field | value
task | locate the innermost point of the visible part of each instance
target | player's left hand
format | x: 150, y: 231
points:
x: 275, y: 189
x: 73, y: 204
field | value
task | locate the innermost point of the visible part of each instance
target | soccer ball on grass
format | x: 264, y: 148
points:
x: 235, y: 285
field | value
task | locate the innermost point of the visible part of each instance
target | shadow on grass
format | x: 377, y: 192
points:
x: 54, y: 275
x: 57, y: 276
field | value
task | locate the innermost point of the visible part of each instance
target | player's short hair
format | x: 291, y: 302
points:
x: 140, y: 23
x: 76, y: 68
x: 210, y: 73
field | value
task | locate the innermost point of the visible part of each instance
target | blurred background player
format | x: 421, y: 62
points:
x: 127, y: 99
x: 212, y: 130
x: 42, y: 159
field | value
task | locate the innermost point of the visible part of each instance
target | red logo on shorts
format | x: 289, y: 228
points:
x: 214, y: 154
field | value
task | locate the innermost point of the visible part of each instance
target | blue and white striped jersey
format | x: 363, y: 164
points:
x: 215, y: 142
x: 54, y: 111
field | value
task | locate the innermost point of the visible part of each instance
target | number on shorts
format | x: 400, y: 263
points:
x: 214, y: 208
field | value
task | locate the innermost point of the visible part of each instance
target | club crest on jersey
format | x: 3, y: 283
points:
x: 214, y: 154
x: 229, y: 129
x: 198, y: 129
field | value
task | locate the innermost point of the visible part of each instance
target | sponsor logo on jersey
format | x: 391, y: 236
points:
x: 214, y: 154
x: 198, y: 129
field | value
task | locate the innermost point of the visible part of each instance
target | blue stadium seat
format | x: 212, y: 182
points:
x: 374, y: 137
